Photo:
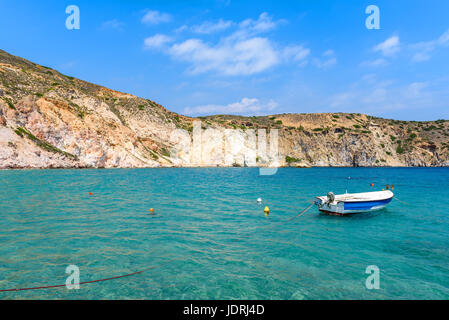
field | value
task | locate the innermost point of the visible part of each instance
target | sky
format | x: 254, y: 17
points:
x: 247, y: 57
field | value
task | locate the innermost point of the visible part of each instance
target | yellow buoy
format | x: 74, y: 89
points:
x: 266, y: 210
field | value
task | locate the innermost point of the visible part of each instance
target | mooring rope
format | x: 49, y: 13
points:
x: 302, y: 212
x: 294, y: 217
x: 137, y: 272
x: 92, y: 281
x: 401, y: 201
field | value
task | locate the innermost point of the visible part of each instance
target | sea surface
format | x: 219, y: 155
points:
x: 209, y: 239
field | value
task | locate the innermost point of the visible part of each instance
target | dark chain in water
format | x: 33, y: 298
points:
x: 133, y: 273
x: 92, y: 281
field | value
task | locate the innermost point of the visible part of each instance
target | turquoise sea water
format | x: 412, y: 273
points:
x: 225, y: 248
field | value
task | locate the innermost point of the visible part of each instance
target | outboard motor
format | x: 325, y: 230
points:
x: 330, y: 197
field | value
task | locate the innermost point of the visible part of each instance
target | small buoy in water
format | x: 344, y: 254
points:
x: 383, y: 189
x: 259, y: 200
x: 266, y: 210
x: 151, y: 211
x: 388, y: 186
x: 372, y: 184
x: 91, y: 194
x: 392, y: 187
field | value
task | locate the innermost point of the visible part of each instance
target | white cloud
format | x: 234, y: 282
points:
x: 242, y: 52
x: 421, y: 56
x: 389, y: 47
x: 211, y: 27
x: 328, y: 60
x: 424, y: 49
x: 376, y: 97
x: 112, y: 24
x: 326, y: 63
x: 444, y: 39
x: 415, y: 89
x: 263, y: 24
x: 229, y: 57
x: 421, y: 51
x: 155, y: 17
x: 246, y: 28
x: 250, y: 27
x: 157, y: 41
x: 245, y: 106
x: 296, y: 53
x: 375, y: 63
x: 181, y: 28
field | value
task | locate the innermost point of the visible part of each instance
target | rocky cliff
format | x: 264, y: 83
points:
x: 50, y: 120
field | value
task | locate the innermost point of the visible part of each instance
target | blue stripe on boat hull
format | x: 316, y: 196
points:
x: 365, y: 205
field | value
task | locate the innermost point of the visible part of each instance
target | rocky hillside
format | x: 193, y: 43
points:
x: 50, y: 120
x: 348, y: 139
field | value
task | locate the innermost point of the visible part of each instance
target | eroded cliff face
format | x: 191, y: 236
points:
x: 360, y: 140
x: 49, y: 120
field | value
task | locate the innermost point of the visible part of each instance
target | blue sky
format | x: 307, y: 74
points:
x: 247, y: 57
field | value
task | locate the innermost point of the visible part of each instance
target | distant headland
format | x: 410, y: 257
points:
x: 50, y: 120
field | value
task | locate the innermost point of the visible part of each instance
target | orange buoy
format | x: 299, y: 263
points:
x: 151, y: 211
x: 392, y: 187
x: 372, y: 184
x: 91, y: 194
x: 388, y: 186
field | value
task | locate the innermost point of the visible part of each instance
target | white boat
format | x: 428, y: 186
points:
x: 350, y: 203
